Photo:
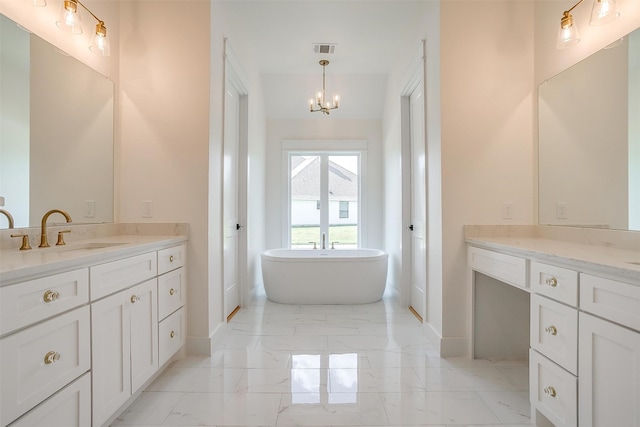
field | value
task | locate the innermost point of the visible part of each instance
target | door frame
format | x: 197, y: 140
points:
x: 233, y: 75
x: 415, y: 74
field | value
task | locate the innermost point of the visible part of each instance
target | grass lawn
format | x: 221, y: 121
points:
x: 345, y: 234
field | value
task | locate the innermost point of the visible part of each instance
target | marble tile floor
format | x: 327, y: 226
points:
x: 337, y: 365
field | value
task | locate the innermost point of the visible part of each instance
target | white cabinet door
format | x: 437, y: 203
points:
x: 110, y: 332
x: 124, y: 346
x: 144, y: 332
x: 609, y: 372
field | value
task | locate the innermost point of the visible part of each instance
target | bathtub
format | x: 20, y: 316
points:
x: 317, y: 276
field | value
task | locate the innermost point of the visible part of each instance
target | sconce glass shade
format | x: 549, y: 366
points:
x: 69, y: 18
x: 603, y: 11
x: 100, y: 43
x: 568, y: 34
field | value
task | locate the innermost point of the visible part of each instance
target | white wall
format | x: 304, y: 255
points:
x: 323, y: 128
x: 164, y: 113
x: 487, y: 140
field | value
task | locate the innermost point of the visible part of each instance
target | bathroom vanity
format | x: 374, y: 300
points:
x: 86, y: 326
x: 584, y: 322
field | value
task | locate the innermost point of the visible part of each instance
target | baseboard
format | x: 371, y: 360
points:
x: 446, y: 347
x: 433, y: 336
x: 454, y: 347
x: 199, y: 346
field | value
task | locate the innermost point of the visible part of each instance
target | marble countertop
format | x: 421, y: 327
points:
x: 16, y: 265
x: 595, y: 259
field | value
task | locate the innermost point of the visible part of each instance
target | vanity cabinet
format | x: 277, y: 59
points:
x: 609, y: 371
x: 46, y: 345
x: 171, y: 300
x: 584, y: 358
x: 76, y: 346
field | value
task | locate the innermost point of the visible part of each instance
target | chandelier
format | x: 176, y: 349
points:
x: 320, y: 103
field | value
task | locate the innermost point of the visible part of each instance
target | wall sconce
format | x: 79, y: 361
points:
x: 603, y: 11
x: 69, y: 20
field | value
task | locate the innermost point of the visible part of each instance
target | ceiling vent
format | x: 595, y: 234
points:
x: 324, y: 48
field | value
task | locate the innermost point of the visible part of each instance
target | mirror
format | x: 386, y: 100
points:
x: 56, y: 132
x: 589, y: 141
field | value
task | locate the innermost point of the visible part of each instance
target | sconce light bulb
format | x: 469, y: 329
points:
x: 69, y: 18
x: 568, y: 33
x: 603, y: 11
x: 100, y: 43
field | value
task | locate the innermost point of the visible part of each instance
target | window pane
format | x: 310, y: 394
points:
x: 343, y: 200
x: 305, y: 193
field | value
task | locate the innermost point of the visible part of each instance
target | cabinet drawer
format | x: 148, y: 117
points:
x: 613, y: 300
x: 507, y: 268
x: 171, y: 335
x: 106, y: 279
x: 553, y: 391
x: 38, y: 361
x: 171, y: 258
x: 554, y: 331
x: 171, y: 292
x: 557, y: 283
x: 29, y: 302
x: 70, y: 407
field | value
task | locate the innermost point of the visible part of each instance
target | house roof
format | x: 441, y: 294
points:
x: 305, y: 181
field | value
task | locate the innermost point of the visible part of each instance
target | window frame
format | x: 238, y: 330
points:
x: 325, y: 148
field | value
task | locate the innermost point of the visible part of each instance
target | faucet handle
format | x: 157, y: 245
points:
x: 314, y: 245
x: 25, y: 241
x: 61, y: 241
x: 333, y: 245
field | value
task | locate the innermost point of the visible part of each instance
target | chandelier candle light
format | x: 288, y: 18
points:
x: 319, y: 104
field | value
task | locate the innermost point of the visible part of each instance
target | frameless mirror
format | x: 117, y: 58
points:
x: 589, y: 141
x: 56, y: 132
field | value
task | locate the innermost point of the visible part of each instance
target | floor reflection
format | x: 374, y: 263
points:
x: 340, y: 380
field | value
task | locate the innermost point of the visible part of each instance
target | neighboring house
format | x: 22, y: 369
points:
x: 305, y: 193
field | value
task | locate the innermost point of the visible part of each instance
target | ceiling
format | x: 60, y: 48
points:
x: 371, y: 38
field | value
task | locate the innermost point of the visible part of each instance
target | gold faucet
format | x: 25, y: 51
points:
x: 44, y: 242
x: 9, y: 217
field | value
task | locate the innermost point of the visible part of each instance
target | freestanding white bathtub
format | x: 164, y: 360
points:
x: 318, y: 276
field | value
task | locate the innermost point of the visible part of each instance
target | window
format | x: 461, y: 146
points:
x: 324, y: 193
x: 344, y: 209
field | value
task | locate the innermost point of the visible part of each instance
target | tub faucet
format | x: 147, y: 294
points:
x: 314, y: 245
x: 324, y: 239
x: 44, y: 242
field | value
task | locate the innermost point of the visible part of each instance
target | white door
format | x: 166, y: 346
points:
x: 418, y: 298
x: 230, y: 198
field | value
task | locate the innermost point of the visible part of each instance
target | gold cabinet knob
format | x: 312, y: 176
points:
x: 170, y: 258
x: 551, y: 330
x: 551, y: 281
x: 172, y: 334
x: 50, y: 296
x: 51, y: 357
x: 134, y: 299
x: 549, y: 390
x: 172, y: 291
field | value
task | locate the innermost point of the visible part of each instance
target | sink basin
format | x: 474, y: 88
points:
x: 87, y: 246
